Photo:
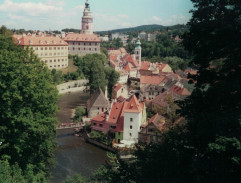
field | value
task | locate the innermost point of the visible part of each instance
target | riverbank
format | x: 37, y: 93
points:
x: 72, y: 86
x: 75, y: 156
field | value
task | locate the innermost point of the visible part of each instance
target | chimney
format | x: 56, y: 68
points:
x: 106, y: 92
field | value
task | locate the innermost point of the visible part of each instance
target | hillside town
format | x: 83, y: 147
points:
x: 133, y: 102
x: 142, y: 88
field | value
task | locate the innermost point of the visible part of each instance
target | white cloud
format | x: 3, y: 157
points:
x: 32, y: 9
x: 172, y: 20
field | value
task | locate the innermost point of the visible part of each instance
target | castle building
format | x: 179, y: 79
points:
x: 86, y: 42
x: 51, y: 50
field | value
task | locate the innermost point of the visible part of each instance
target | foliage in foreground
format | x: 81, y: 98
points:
x: 28, y: 105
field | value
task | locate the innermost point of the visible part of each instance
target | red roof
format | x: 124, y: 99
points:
x: 115, y: 112
x: 133, y: 105
x: 100, y: 117
x: 82, y: 38
x: 180, y: 91
x: 145, y: 65
x: 41, y: 41
x: 130, y: 59
x: 117, y: 87
x: 154, y: 80
x: 162, y: 67
x: 129, y: 67
x: 158, y: 121
x: 113, y: 57
x: 160, y: 100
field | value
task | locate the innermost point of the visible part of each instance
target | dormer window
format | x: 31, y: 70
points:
x: 47, y: 42
x: 41, y: 42
x: 31, y: 42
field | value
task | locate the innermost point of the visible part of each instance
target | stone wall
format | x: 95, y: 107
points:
x: 72, y: 86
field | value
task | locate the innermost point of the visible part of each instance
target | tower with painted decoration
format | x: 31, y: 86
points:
x: 86, y: 42
x: 87, y: 20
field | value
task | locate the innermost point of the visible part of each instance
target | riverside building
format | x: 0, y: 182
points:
x: 51, y: 50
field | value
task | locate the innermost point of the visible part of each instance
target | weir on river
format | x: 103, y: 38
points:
x: 73, y: 155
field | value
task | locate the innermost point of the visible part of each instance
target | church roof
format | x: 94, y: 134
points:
x: 97, y: 99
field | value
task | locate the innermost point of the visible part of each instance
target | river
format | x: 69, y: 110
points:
x: 73, y: 155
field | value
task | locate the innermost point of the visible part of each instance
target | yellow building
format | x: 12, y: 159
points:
x: 53, y: 51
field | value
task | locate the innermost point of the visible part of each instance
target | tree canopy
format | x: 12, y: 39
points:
x: 28, y: 105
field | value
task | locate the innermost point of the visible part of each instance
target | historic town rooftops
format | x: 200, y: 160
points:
x: 161, y: 100
x: 100, y: 117
x: 154, y: 80
x: 158, y: 121
x: 179, y: 91
x: 133, y: 105
x: 97, y: 99
x: 40, y: 41
x: 115, y: 112
x: 129, y: 67
x: 117, y: 87
x: 72, y: 37
x: 117, y: 52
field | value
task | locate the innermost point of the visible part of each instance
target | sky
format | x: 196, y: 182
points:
x: 107, y: 14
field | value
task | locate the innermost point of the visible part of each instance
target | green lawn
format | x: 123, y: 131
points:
x: 70, y: 68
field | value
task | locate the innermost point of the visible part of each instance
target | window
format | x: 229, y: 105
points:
x: 150, y: 130
x: 131, y: 127
x: 90, y: 44
x: 46, y: 48
x: 101, y: 125
x: 90, y: 49
x: 102, y: 109
x: 131, y: 119
x: 94, y: 124
x: 95, y: 49
x: 118, y: 133
x: 130, y: 134
x: 41, y: 48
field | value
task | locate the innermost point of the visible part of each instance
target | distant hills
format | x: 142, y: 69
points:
x: 147, y: 28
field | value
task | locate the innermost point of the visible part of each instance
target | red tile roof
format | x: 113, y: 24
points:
x: 117, y: 87
x: 100, y: 117
x: 40, y: 41
x: 162, y: 67
x: 154, y: 80
x: 158, y: 121
x: 82, y: 38
x: 133, y: 105
x: 130, y: 59
x: 113, y: 57
x: 180, y: 91
x: 115, y: 112
x: 160, y: 100
x: 145, y: 65
x: 129, y: 67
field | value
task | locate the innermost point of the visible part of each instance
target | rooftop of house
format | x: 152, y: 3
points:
x: 160, y: 100
x: 82, y: 37
x: 97, y: 99
x: 117, y: 52
x: 39, y: 41
x: 154, y: 80
x: 158, y: 121
x: 117, y: 87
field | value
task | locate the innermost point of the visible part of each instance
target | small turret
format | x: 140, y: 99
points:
x: 138, y: 51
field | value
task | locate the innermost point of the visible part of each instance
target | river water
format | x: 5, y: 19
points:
x: 73, y: 155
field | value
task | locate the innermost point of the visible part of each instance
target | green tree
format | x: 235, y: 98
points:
x: 213, y: 111
x: 79, y: 112
x: 112, y: 77
x: 28, y: 106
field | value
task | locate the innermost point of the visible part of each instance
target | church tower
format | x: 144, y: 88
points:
x: 138, y: 51
x: 87, y: 20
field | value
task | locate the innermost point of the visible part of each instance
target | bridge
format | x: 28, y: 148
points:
x: 69, y: 125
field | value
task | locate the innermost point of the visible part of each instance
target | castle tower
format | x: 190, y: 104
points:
x: 138, y: 52
x: 87, y: 20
